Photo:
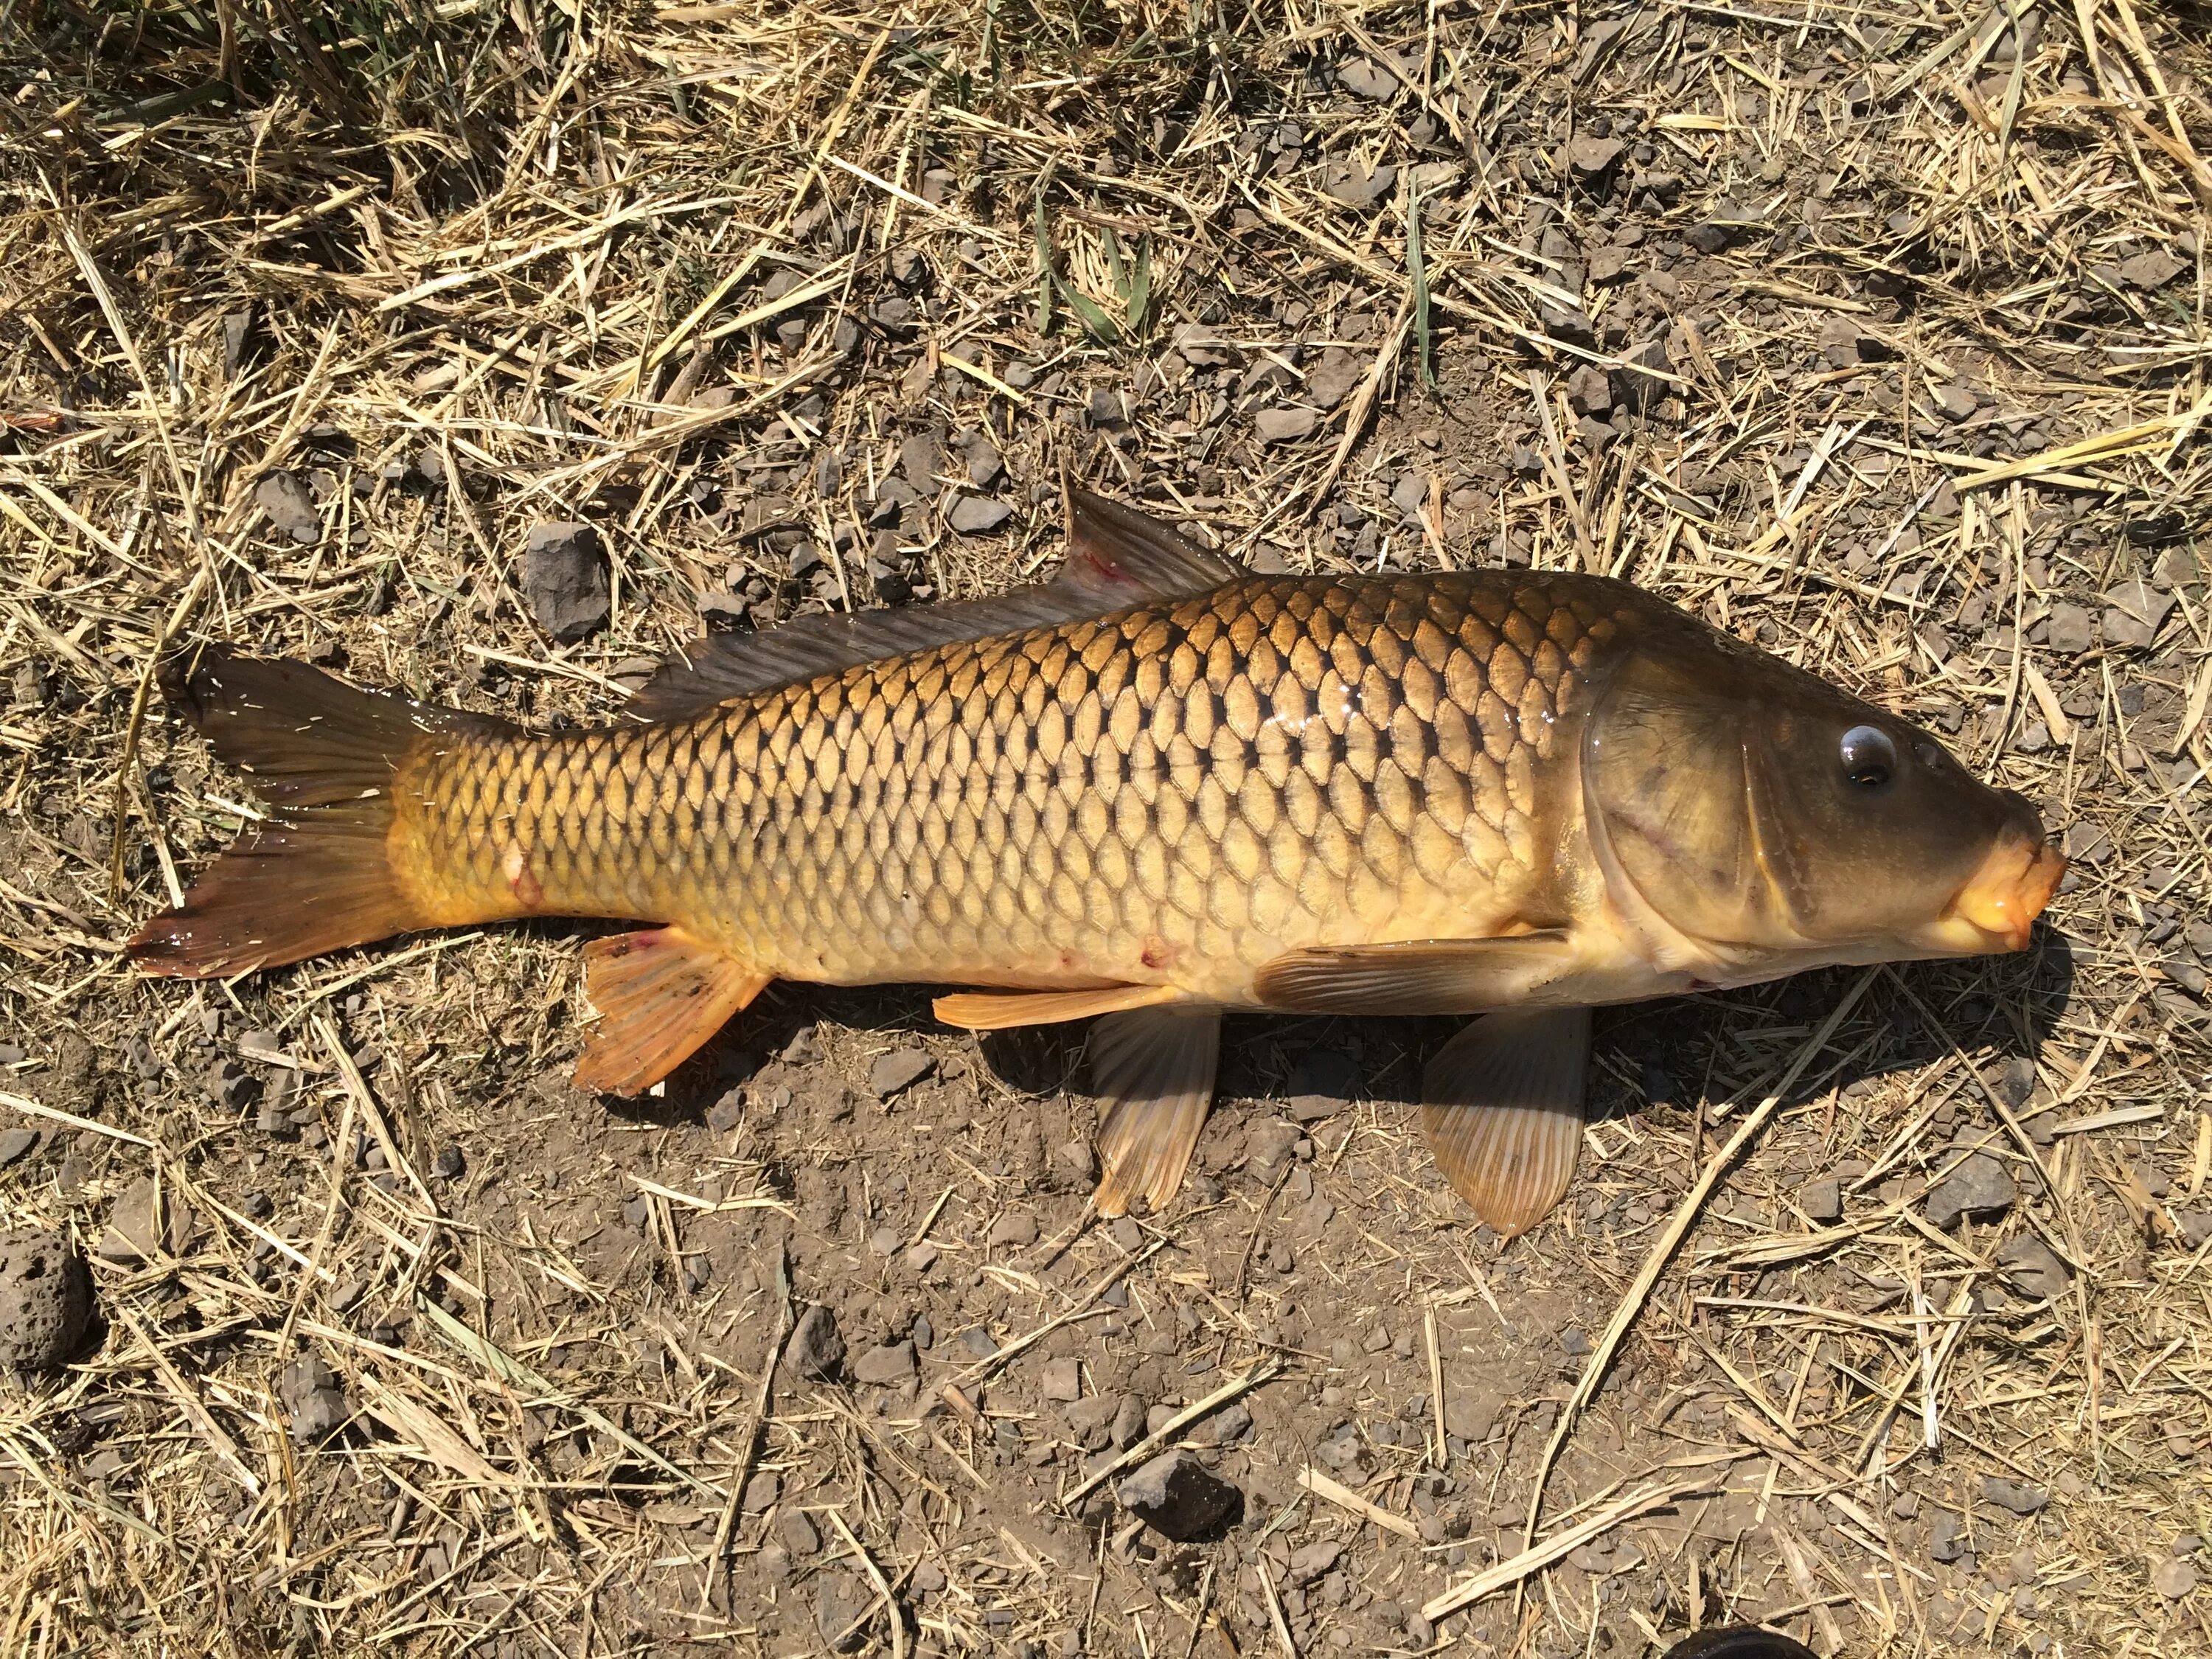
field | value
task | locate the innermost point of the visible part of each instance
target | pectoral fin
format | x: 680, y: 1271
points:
x: 995, y: 1011
x: 660, y: 995
x: 1502, y: 1105
x: 1422, y: 977
x: 1153, y: 1070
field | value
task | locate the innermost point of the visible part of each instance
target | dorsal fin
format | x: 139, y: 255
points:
x: 1116, y: 558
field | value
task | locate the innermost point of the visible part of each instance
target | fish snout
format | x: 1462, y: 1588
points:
x: 1996, y: 909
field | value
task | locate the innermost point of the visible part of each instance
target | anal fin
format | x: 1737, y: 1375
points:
x: 995, y: 1011
x: 1502, y: 1106
x: 1153, y: 1070
x: 660, y: 994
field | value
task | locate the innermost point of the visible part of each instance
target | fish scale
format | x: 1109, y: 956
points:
x: 1175, y: 795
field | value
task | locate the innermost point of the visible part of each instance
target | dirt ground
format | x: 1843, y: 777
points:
x: 1876, y: 334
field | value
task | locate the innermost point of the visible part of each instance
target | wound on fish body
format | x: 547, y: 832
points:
x: 1151, y: 789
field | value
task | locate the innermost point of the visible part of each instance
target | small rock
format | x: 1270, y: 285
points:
x: 2030, y: 1265
x: 1348, y: 183
x: 2172, y: 1579
x: 2070, y: 630
x: 815, y: 1350
x: 284, y: 497
x: 1946, y: 1538
x: 1330, y: 381
x: 1062, y: 1380
x: 978, y: 1341
x: 134, y: 1225
x: 920, y: 1258
x: 1823, y: 1202
x: 2153, y: 269
x: 921, y: 461
x: 1018, y: 1228
x: 1130, y: 1414
x: 564, y: 576
x: 900, y: 1069
x: 885, y: 1240
x: 798, y: 1532
x: 2134, y: 612
x: 2014, y: 1495
x: 978, y: 516
x: 451, y: 1164
x: 1957, y: 402
x: 886, y: 1366
x: 1978, y: 1185
x: 1179, y: 1497
x: 1366, y: 78
x: 14, y: 1144
x: 315, y: 1407
x: 1592, y: 159
x: 761, y: 1491
x: 1309, y: 1561
x: 45, y: 1300
x: 1286, y: 426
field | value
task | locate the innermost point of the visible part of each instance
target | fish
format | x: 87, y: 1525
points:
x: 1150, y: 790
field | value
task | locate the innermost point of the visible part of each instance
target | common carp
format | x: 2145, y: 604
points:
x: 1154, y: 788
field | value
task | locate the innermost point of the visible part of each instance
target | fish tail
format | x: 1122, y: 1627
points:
x: 319, y: 873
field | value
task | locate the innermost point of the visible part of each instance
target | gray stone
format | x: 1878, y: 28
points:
x: 978, y: 516
x: 1947, y: 1539
x: 14, y: 1144
x: 2014, y: 1495
x: 1592, y: 158
x: 315, y: 1405
x: 564, y: 577
x: 1179, y: 1497
x: 1018, y: 1228
x: 2172, y: 1579
x: 2134, y: 611
x: 1957, y: 401
x: 815, y: 1350
x: 2153, y: 269
x: 798, y: 1532
x: 45, y: 1300
x: 920, y: 461
x: 1286, y: 426
x: 1823, y: 1202
x: 1368, y: 79
x: 761, y: 1491
x: 900, y: 1069
x: 2028, y: 1264
x: 1347, y: 183
x: 1980, y: 1186
x: 134, y: 1225
x: 886, y: 1366
x: 1130, y: 1413
x: 284, y: 497
x: 2070, y: 630
x: 1062, y: 1380
x: 1330, y: 381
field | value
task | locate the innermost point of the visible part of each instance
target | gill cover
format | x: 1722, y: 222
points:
x: 1754, y: 807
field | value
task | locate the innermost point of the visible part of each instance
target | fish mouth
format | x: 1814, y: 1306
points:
x: 1996, y: 909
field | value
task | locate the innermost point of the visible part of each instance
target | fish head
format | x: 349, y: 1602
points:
x: 1774, y: 822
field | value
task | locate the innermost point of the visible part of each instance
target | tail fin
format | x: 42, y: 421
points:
x: 317, y: 874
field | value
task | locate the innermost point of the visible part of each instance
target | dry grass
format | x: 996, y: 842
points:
x: 1919, y: 416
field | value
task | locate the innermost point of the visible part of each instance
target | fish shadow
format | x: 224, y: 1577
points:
x: 1676, y: 1053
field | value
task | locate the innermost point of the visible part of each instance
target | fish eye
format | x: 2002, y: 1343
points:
x: 1869, y: 757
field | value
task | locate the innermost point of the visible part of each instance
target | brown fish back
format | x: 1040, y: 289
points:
x: 1173, y: 793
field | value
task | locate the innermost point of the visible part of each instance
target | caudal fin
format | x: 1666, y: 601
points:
x: 317, y: 874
